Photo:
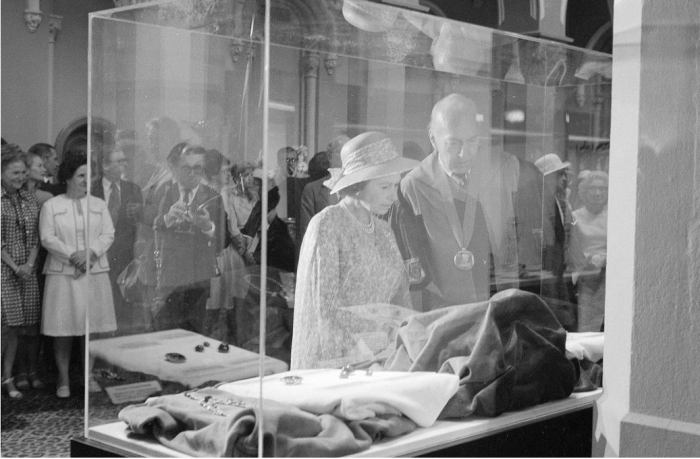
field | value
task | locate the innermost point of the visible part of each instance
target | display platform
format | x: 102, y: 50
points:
x: 441, y: 436
x: 146, y: 353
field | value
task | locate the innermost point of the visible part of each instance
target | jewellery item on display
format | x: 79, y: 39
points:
x: 223, y: 347
x: 253, y: 281
x: 348, y: 369
x: 291, y: 380
x: 206, y: 344
x: 104, y: 373
x: 464, y: 260
x: 367, y: 228
x: 209, y: 402
x: 199, y: 348
x: 174, y: 357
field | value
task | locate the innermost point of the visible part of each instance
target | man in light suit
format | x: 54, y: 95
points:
x: 190, y: 231
x: 125, y: 205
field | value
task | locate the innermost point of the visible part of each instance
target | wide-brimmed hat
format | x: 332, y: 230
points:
x: 551, y: 163
x: 365, y: 157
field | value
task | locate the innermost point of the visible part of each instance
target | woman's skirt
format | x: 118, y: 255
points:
x: 66, y: 300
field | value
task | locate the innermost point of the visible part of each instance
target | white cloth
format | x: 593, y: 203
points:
x: 145, y: 353
x: 587, y: 345
x: 420, y: 396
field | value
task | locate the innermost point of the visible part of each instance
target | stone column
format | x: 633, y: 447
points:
x: 310, y: 64
x: 651, y: 400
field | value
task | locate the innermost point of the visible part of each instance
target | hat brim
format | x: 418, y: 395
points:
x: 564, y: 165
x: 394, y: 166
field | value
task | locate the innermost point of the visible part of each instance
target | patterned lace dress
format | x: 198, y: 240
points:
x: 340, y: 265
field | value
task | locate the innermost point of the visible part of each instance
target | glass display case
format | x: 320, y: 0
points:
x: 220, y: 119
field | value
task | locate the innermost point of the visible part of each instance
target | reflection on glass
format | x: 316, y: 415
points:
x: 590, y: 241
x: 356, y: 274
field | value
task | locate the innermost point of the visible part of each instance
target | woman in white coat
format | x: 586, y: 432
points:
x: 69, y: 292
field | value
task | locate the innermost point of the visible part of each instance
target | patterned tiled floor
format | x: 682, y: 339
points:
x: 41, y: 425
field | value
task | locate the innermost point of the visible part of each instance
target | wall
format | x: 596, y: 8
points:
x: 651, y: 405
x: 25, y: 69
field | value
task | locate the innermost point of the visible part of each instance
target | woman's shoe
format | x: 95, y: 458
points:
x: 63, y: 392
x: 21, y: 382
x: 9, y: 386
x: 35, y: 381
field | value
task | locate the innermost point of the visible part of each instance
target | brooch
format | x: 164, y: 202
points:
x: 174, y: 357
x: 291, y: 380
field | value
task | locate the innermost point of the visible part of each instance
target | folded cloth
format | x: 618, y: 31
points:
x: 420, y: 396
x: 508, y: 353
x: 587, y: 345
x: 189, y: 423
x: 585, y: 350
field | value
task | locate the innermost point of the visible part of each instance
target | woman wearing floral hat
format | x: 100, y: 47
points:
x: 349, y: 257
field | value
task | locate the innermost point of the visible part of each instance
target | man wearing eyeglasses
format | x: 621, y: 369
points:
x: 438, y: 192
x: 189, y: 233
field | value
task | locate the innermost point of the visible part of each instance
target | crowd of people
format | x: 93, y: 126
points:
x: 172, y: 242
x: 171, y: 239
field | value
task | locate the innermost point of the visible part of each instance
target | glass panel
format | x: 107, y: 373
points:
x: 360, y: 88
x: 185, y: 261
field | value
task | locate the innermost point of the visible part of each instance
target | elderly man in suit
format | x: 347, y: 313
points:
x: 437, y: 191
x: 475, y: 205
x: 190, y: 230
x: 125, y: 205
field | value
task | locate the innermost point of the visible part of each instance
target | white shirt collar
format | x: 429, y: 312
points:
x: 182, y: 191
x: 107, y: 185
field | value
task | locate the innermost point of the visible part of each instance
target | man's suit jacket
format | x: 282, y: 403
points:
x: 315, y: 197
x: 188, y: 254
x: 427, y: 190
x: 121, y: 252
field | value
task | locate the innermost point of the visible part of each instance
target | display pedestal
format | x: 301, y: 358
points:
x: 557, y: 429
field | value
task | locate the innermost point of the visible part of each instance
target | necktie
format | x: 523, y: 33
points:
x: 114, y: 202
x: 462, y: 179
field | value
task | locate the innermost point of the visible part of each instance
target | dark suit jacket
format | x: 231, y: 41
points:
x: 121, y: 251
x: 315, y: 197
x: 189, y: 255
x: 280, y: 245
x: 528, y: 212
x: 426, y: 189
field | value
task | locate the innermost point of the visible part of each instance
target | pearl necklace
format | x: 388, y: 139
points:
x: 367, y: 228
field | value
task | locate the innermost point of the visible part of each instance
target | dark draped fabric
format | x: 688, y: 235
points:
x: 509, y: 353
